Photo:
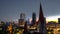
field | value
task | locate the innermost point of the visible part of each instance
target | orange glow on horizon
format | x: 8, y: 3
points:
x: 52, y: 18
x: 48, y: 19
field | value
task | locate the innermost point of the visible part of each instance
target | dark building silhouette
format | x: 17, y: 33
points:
x: 42, y: 22
x: 22, y: 19
x: 33, y: 18
x: 25, y: 29
x: 51, y: 22
x: 22, y: 16
x: 59, y: 20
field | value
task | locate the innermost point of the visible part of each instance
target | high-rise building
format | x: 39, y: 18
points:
x: 22, y: 16
x: 22, y: 19
x: 33, y: 18
x: 42, y: 22
x: 59, y: 20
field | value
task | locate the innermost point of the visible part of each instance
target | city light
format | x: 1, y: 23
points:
x: 23, y: 24
x: 52, y: 18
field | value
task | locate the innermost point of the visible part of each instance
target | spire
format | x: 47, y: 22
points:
x: 42, y: 22
x: 41, y: 16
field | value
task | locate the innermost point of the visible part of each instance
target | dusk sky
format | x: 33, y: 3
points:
x: 10, y: 9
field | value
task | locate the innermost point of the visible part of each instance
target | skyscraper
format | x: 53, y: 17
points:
x: 42, y: 22
x: 22, y: 19
x: 22, y: 16
x: 33, y: 18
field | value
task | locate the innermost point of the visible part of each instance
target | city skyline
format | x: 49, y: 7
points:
x: 10, y: 10
x: 24, y: 17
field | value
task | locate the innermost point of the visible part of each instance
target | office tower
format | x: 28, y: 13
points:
x: 42, y: 22
x: 33, y: 18
x: 22, y: 16
x: 22, y: 19
x: 59, y: 20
